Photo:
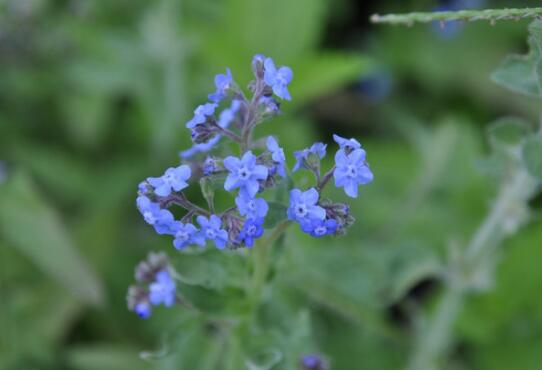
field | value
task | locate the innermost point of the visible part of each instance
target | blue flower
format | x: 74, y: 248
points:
x: 227, y: 115
x: 279, y: 79
x: 211, y: 230
x: 303, y: 206
x: 252, y: 229
x: 319, y: 228
x: 200, y: 148
x: 143, y: 309
x: 277, y: 154
x: 161, y: 219
x: 222, y: 83
x: 201, y: 113
x: 244, y: 173
x: 209, y: 166
x: 301, y: 156
x: 173, y: 179
x: 185, y: 235
x: 313, y: 362
x: 351, y: 171
x: 252, y: 208
x: 224, y: 120
x: 162, y: 290
x: 351, y: 144
x: 271, y: 106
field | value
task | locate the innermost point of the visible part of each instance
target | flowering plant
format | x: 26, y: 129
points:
x: 260, y: 167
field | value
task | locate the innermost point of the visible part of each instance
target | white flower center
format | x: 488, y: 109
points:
x: 243, y: 173
x: 300, y: 210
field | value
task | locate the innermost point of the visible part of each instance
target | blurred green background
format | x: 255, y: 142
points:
x: 93, y: 99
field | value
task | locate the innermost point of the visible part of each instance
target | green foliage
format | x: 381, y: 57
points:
x: 532, y: 156
x: 29, y: 224
x: 98, y: 102
x: 522, y: 73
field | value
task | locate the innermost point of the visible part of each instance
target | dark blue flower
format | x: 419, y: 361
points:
x: 252, y: 229
x: 278, y: 79
x: 318, y: 150
x: 319, y: 228
x: 277, y: 154
x: 244, y: 173
x: 185, y: 235
x: 162, y: 291
x: 143, y: 309
x: 351, y: 171
x: 200, y: 114
x: 223, y: 83
x: 211, y: 229
x: 313, y: 362
x: 350, y: 144
x: 173, y: 179
x: 250, y: 207
x: 304, y: 206
x: 161, y: 219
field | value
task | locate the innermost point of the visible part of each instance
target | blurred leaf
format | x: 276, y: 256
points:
x: 532, y: 156
x: 62, y: 173
x: 104, y: 357
x: 503, y: 326
x: 508, y: 130
x: 324, y: 73
x: 195, y: 344
x: 277, y: 213
x: 522, y: 73
x: 212, y: 269
x: 28, y: 223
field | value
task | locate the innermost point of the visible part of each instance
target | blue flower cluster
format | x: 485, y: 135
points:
x: 261, y: 166
x: 155, y: 286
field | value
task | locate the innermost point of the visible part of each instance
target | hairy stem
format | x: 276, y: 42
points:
x: 434, y: 338
x: 491, y: 15
x: 261, y: 255
x: 180, y: 200
x: 325, y: 179
x: 229, y: 134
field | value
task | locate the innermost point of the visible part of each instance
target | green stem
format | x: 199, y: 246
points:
x: 434, y: 338
x: 491, y: 15
x: 261, y: 255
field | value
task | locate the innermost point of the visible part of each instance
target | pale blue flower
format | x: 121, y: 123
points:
x: 244, y: 173
x: 251, y: 207
x: 211, y: 229
x: 278, y: 79
x: 351, y: 171
x: 201, y: 113
x: 163, y: 290
x: 173, y: 179
x: 304, y: 206
x: 277, y: 154
x: 223, y: 82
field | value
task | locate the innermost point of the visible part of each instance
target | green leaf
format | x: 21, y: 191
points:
x: 522, y: 73
x: 212, y: 269
x: 29, y: 224
x: 105, y: 357
x: 508, y: 131
x: 277, y: 213
x: 532, y: 156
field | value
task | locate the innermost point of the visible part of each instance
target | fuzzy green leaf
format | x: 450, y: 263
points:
x: 532, y: 156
